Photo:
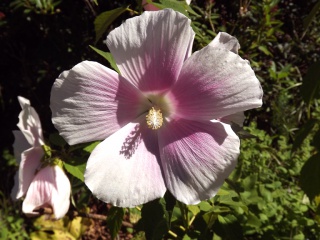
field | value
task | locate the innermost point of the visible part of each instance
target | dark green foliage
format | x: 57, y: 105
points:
x: 274, y: 191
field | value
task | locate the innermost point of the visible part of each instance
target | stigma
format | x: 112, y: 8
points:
x: 154, y: 118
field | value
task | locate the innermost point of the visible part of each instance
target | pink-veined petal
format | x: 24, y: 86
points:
x: 49, y: 188
x: 60, y: 201
x: 124, y: 169
x: 40, y: 191
x: 29, y: 123
x: 150, y: 49
x: 30, y: 162
x: 197, y: 157
x: 90, y: 102
x: 215, y: 83
x: 226, y: 41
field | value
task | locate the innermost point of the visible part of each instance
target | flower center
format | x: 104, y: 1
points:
x: 154, y: 118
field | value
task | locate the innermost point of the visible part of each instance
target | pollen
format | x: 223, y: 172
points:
x: 154, y: 118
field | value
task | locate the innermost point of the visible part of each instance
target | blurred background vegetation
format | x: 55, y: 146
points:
x: 274, y: 193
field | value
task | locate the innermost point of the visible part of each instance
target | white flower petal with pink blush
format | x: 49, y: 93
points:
x: 197, y: 157
x: 50, y: 187
x: 167, y: 138
x: 133, y: 154
x: 27, y: 148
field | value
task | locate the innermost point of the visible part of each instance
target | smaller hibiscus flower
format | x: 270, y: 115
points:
x: 48, y: 186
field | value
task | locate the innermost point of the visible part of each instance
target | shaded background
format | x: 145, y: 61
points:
x: 36, y: 45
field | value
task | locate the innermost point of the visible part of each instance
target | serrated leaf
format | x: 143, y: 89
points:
x: 303, y: 133
x: 114, y: 220
x: 310, y: 177
x: 310, y: 88
x: 103, y: 21
x: 76, y: 170
x: 154, y: 217
x: 108, y: 56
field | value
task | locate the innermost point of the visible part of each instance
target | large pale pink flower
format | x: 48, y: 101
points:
x: 27, y: 148
x: 47, y: 186
x: 156, y: 119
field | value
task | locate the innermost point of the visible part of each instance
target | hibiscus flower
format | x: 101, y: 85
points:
x: 159, y: 119
x: 43, y: 187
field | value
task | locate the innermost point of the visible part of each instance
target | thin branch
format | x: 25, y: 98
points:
x: 82, y: 214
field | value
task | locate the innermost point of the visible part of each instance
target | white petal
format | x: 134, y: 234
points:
x: 237, y: 118
x: 60, y: 200
x: 197, y: 157
x: 29, y: 123
x: 226, y: 41
x: 40, y: 191
x: 90, y: 102
x: 124, y: 169
x: 150, y: 49
x: 30, y: 162
x: 49, y: 188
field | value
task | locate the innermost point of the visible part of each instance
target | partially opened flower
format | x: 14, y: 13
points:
x: 48, y: 186
x: 27, y: 148
x: 159, y: 119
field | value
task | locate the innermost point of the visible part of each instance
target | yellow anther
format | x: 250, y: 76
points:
x: 154, y: 118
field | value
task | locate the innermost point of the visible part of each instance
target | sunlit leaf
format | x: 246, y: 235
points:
x: 179, y: 6
x: 76, y: 170
x: 108, y: 56
x: 92, y: 146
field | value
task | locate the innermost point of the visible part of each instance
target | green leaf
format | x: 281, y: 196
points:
x: 194, y: 209
x: 154, y: 218
x: 179, y: 6
x: 114, y: 220
x: 310, y: 88
x: 307, y: 21
x: 265, y: 50
x: 253, y: 221
x: 103, y: 21
x: 205, y: 206
x: 108, y: 56
x: 91, y: 146
x: 316, y: 140
x: 303, y: 133
x: 76, y: 170
x: 310, y: 177
x: 57, y: 140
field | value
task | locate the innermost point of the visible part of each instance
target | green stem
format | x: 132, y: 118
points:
x: 184, y: 213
